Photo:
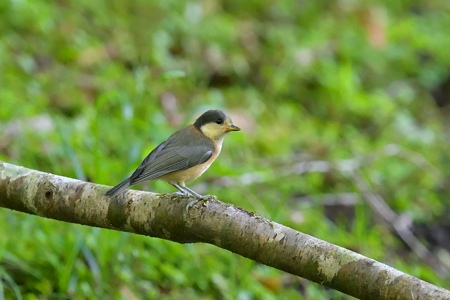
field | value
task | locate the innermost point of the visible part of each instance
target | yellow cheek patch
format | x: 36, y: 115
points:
x: 213, y: 131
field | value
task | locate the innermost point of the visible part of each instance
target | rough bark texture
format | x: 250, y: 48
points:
x: 214, y: 222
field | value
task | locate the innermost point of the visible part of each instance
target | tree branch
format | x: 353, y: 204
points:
x: 226, y: 226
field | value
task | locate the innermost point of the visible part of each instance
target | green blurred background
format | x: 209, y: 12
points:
x: 332, y: 96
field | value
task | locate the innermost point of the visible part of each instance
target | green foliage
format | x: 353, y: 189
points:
x: 86, y: 89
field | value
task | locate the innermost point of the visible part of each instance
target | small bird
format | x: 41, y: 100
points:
x: 185, y: 155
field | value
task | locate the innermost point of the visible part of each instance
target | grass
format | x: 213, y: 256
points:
x: 89, y: 88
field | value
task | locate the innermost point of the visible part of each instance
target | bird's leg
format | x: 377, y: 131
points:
x: 181, y: 190
x: 194, y: 193
x: 184, y: 190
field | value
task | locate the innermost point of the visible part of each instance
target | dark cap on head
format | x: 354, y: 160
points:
x: 216, y: 116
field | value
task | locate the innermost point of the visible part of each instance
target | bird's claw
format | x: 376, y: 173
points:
x: 190, y: 204
x: 181, y: 193
x: 203, y: 199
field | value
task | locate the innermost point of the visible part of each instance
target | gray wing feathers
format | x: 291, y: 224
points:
x: 177, y: 153
x: 205, y: 157
x: 164, y: 164
x: 152, y: 155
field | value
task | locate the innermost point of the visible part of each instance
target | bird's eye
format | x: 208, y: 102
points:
x: 219, y: 121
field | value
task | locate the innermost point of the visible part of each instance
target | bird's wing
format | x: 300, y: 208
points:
x: 173, y: 155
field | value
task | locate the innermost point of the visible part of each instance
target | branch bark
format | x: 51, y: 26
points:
x: 226, y: 226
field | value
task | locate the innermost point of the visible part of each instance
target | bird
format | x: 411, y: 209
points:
x: 184, y: 156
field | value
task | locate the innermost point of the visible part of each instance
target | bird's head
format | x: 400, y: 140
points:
x: 215, y: 124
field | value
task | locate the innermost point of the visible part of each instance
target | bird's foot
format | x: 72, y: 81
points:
x: 202, y: 198
x: 181, y: 194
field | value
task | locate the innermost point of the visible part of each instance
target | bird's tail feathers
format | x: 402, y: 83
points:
x: 121, y: 187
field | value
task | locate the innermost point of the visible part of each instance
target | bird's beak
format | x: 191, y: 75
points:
x: 232, y: 128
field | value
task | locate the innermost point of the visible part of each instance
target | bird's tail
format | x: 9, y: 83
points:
x: 119, y: 188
